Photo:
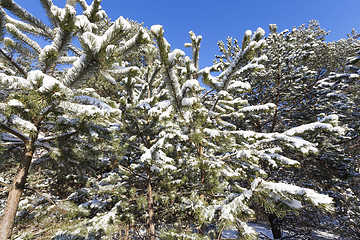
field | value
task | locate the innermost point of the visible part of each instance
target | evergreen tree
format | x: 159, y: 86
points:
x: 194, y: 166
x: 340, y: 95
x: 299, y: 60
x: 183, y: 162
x: 45, y: 113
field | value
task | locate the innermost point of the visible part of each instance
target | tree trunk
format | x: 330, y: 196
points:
x: 127, y: 232
x: 151, y: 221
x: 8, y: 219
x: 275, y: 224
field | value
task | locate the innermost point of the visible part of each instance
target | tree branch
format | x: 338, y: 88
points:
x: 47, y: 198
x: 132, y: 172
x: 8, y: 58
x: 14, y: 132
x: 8, y: 185
x: 68, y: 134
x: 216, y: 102
x: 227, y: 157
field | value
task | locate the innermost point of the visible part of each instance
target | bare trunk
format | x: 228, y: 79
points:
x: 151, y: 221
x: 275, y: 224
x: 200, y: 152
x: 127, y: 232
x: 8, y: 219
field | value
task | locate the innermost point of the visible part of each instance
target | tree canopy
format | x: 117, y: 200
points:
x: 105, y: 130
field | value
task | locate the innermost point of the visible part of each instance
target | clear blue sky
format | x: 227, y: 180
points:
x: 215, y: 20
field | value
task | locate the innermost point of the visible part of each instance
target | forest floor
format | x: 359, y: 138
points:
x: 265, y: 233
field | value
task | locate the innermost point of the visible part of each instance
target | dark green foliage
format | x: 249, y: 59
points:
x: 127, y: 140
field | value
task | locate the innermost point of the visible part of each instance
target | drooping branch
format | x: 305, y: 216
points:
x: 14, y: 132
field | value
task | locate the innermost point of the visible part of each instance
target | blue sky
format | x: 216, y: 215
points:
x: 215, y: 20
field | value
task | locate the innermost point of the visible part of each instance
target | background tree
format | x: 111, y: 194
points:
x: 299, y: 60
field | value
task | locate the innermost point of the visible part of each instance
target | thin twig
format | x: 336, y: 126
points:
x: 45, y: 139
x: 226, y: 157
x: 7, y: 57
x: 216, y: 102
x: 220, y: 233
x: 43, y: 196
x: 207, y: 93
x: 131, y: 171
x: 8, y: 185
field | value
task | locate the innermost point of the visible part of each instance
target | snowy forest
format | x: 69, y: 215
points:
x: 107, y: 132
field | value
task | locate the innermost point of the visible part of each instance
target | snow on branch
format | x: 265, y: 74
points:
x: 93, y: 101
x: 195, y: 45
x: 142, y: 37
x: 27, y: 27
x: 311, y: 127
x: 262, y: 139
x: 93, y: 12
x: 67, y: 60
x: 83, y: 23
x: 15, y: 83
x: 83, y: 4
x: 210, y: 80
x: 239, y: 85
x: 171, y: 79
x: 97, y: 43
x: 66, y: 14
x: 286, y: 191
x: 258, y: 108
x: 191, y: 85
x: 63, y: 35
x: 280, y: 158
x: 255, y: 44
x: 82, y: 67
x: 23, y: 124
x: 23, y: 37
x: 47, y: 82
x: 297, y: 143
x: 124, y: 71
x: 174, y: 55
x: 236, y: 206
x: 24, y: 15
x: 87, y: 110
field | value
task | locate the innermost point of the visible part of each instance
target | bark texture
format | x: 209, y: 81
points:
x: 275, y: 224
x: 8, y: 219
x: 151, y: 220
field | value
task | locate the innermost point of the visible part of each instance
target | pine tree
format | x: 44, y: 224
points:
x: 299, y: 60
x: 340, y: 95
x: 195, y: 167
x: 45, y: 113
x: 181, y: 161
x: 185, y: 164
